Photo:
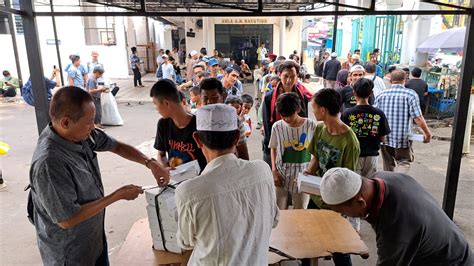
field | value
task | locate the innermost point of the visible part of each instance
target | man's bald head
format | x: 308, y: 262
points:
x: 69, y: 102
x: 397, y: 76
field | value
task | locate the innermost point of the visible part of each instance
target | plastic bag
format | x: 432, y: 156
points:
x: 110, y: 113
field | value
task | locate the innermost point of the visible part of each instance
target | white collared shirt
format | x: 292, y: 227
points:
x: 227, y: 213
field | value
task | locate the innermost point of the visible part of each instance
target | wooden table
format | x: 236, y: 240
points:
x: 300, y: 233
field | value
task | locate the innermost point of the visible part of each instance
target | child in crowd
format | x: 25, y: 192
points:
x: 195, y: 98
x: 369, y: 124
x: 236, y: 102
x: 184, y: 101
x: 289, y: 141
x: 247, y: 104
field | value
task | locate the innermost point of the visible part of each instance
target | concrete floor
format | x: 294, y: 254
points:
x: 18, y: 128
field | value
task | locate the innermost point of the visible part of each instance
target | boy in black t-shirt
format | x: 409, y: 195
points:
x: 369, y: 124
x: 174, y: 136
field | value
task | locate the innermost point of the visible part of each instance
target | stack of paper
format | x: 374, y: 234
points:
x: 309, y: 184
x: 164, y: 233
x: 185, y: 171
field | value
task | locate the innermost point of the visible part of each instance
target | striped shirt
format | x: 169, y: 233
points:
x: 134, y: 61
x: 401, y: 106
x: 291, y: 144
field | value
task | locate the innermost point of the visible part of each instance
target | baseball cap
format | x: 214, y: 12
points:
x: 213, y: 62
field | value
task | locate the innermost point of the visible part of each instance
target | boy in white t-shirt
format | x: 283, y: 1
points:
x: 289, y: 142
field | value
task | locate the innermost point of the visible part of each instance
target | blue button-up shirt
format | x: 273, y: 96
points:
x: 401, y: 106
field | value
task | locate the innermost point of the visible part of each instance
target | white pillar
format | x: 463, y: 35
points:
x: 282, y: 35
x: 205, y: 34
x: 407, y: 29
x: 467, y: 133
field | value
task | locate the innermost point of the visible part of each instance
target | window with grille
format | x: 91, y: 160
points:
x: 99, y: 30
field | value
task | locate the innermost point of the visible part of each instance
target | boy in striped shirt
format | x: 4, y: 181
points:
x: 289, y: 142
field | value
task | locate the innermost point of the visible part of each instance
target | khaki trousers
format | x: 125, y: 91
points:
x: 300, y: 200
x: 366, y: 166
x: 397, y: 160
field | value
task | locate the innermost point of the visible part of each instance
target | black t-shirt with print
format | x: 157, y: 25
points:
x: 369, y: 124
x: 348, y: 98
x: 178, y: 143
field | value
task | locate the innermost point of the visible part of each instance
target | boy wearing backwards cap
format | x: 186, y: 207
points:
x: 410, y: 227
x: 227, y: 213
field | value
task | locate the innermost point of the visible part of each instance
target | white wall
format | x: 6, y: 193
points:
x: 71, y: 35
x: 197, y: 42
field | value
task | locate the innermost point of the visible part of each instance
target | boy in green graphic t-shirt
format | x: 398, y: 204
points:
x: 334, y: 144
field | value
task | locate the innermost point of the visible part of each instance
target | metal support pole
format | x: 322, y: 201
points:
x: 457, y: 137
x: 15, y: 46
x: 53, y: 18
x: 35, y: 64
x: 334, y: 33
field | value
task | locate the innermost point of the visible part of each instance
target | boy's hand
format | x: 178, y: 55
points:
x: 277, y: 179
x: 307, y: 172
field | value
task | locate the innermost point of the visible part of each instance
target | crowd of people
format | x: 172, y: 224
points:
x: 226, y: 213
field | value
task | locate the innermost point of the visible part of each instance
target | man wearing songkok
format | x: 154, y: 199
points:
x: 227, y: 213
x: 411, y: 228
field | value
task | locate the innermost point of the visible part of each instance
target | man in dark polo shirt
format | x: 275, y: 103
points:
x: 66, y: 184
x: 411, y: 228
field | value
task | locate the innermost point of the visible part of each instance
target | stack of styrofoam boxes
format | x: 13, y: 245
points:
x: 167, y: 212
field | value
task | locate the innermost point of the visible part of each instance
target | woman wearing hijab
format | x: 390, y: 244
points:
x: 341, y: 79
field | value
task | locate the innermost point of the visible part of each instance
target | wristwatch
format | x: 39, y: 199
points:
x: 149, y: 160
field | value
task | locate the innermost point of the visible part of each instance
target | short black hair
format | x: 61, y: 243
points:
x: 167, y: 52
x: 195, y: 90
x: 233, y: 99
x: 288, y: 103
x: 363, y: 87
x: 356, y: 50
x: 370, y: 68
x: 199, y: 65
x: 289, y: 64
x: 277, y: 78
x: 134, y: 49
x: 218, y: 140
x: 69, y: 102
x: 329, y: 99
x: 246, y: 98
x: 74, y: 58
x: 229, y: 70
x: 376, y: 50
x: 391, y: 68
x: 203, y: 51
x: 281, y: 58
x: 165, y: 89
x: 211, y: 84
x: 416, y: 72
x: 406, y: 69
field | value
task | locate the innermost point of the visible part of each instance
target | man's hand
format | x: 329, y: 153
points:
x: 277, y: 179
x: 162, y: 175
x: 427, y: 137
x: 128, y: 192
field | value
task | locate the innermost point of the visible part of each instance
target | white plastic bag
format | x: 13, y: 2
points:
x: 110, y: 113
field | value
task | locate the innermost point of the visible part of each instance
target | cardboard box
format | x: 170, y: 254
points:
x: 309, y: 184
x: 185, y: 171
x: 171, y: 246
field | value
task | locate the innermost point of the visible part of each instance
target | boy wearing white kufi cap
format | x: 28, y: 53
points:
x: 227, y: 213
x: 410, y: 227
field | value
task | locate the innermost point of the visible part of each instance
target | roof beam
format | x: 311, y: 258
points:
x: 255, y: 14
x: 226, y: 6
x: 344, y: 5
x: 9, y: 10
x: 445, y: 4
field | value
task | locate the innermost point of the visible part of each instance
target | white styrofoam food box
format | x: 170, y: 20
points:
x: 309, y: 184
x: 416, y: 137
x: 171, y: 246
x: 185, y: 171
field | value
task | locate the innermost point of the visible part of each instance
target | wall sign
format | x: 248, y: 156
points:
x: 244, y: 21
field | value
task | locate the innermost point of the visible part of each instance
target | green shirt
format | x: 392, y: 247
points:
x: 333, y: 151
x: 13, y: 81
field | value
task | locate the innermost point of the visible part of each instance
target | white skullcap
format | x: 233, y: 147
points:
x: 339, y: 185
x: 193, y: 53
x: 216, y: 117
x: 333, y: 55
x: 357, y: 68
